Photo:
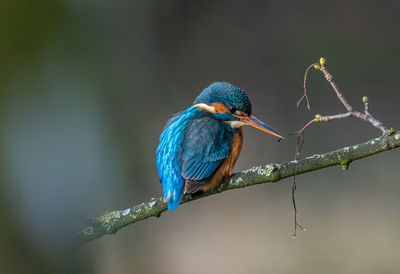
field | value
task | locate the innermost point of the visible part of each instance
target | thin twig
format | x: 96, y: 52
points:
x: 366, y: 116
x: 329, y: 118
x: 329, y: 77
x: 366, y: 109
x: 305, y: 88
x: 301, y: 131
x: 299, y: 145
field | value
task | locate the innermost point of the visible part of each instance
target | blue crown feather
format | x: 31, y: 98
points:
x: 228, y: 94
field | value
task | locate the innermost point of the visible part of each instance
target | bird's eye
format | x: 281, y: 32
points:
x: 235, y: 111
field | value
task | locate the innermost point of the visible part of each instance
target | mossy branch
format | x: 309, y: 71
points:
x: 111, y: 222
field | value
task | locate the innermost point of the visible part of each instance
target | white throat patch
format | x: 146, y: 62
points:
x: 236, y: 124
x: 206, y: 107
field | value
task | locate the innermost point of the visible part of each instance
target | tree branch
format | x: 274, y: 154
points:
x: 111, y: 222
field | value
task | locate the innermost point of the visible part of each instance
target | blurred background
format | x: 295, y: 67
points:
x: 87, y: 86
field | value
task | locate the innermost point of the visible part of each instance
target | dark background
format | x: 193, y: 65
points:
x: 87, y: 86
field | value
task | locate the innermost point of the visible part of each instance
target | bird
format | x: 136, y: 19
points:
x: 199, y: 146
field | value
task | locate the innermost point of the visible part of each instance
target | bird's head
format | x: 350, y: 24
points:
x: 231, y: 105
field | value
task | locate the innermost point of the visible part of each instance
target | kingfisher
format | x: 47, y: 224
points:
x: 200, y: 145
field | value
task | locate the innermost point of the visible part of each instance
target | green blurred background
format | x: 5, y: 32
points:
x: 87, y: 86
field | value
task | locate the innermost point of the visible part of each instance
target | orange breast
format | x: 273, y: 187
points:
x: 227, y: 165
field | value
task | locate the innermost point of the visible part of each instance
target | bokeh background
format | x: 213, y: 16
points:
x: 86, y: 87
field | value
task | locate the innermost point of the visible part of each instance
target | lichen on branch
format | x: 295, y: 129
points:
x: 111, y: 222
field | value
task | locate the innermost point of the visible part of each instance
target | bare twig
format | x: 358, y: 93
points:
x: 301, y: 131
x: 299, y: 145
x: 329, y: 77
x: 366, y: 108
x: 366, y: 116
x: 305, y: 87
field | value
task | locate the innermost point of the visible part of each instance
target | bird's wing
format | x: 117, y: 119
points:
x: 205, y: 146
x: 169, y: 155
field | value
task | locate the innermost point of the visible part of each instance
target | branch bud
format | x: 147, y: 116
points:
x: 317, y: 67
x: 317, y: 118
x: 322, y: 61
x: 365, y: 99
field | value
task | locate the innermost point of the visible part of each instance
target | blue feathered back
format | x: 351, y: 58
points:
x: 192, y: 147
x: 169, y: 160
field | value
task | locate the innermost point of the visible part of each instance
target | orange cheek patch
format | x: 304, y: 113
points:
x: 219, y: 108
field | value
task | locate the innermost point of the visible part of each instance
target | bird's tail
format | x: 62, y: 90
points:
x: 173, y: 199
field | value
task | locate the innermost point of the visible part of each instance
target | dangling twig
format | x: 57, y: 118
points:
x: 305, y: 87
